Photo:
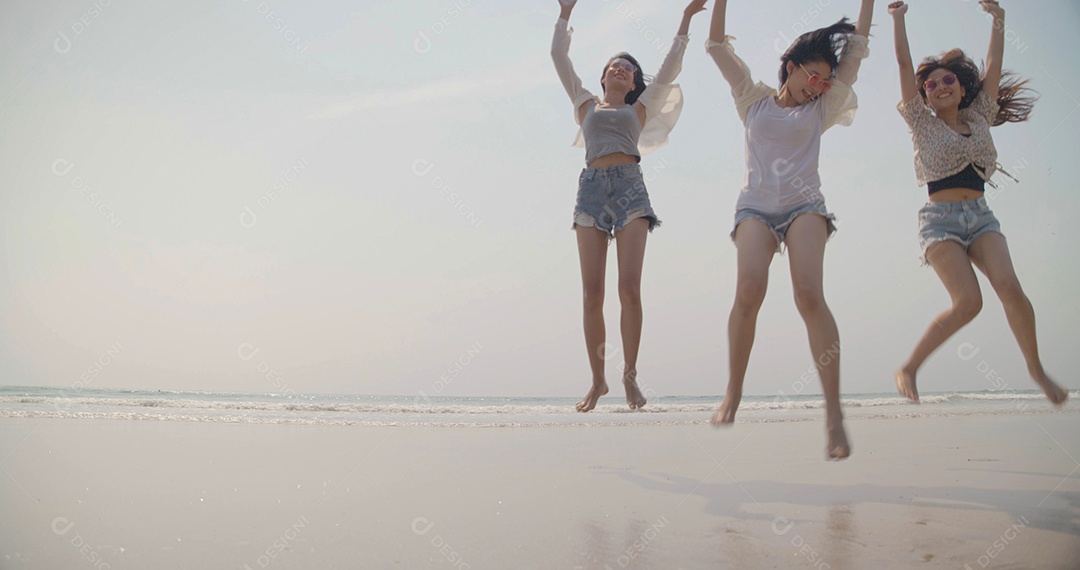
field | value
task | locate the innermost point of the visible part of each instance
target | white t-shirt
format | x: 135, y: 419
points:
x: 782, y: 148
x: 783, y: 144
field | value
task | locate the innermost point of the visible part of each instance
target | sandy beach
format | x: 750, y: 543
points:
x: 969, y: 492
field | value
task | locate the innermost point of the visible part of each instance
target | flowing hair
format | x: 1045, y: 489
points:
x: 639, y: 77
x: 822, y: 44
x: 1015, y: 99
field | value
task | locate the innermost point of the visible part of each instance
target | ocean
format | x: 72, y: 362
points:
x: 344, y: 409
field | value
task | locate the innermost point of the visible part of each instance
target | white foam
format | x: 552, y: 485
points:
x: 480, y: 412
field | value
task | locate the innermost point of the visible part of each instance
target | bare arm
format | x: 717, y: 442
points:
x: 566, y: 7
x: 733, y: 70
x: 717, y: 31
x: 992, y: 79
x: 848, y: 69
x: 908, y: 88
x: 669, y: 70
x: 695, y: 7
x: 866, y: 17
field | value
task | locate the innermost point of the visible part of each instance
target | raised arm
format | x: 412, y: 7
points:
x: 908, y: 88
x: 669, y: 70
x: 717, y: 31
x: 695, y: 7
x: 560, y: 54
x: 848, y: 69
x: 732, y: 68
x: 566, y: 7
x: 992, y: 79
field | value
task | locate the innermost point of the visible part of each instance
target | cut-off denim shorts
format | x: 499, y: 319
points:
x: 610, y: 198
x: 963, y: 222
x: 779, y: 222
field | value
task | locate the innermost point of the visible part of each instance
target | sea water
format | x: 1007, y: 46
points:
x: 360, y: 410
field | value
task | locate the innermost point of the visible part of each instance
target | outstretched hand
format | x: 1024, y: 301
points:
x: 993, y: 8
x: 695, y: 7
x: 897, y: 9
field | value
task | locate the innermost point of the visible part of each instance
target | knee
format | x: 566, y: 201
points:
x: 1010, y: 292
x: 967, y: 307
x: 808, y: 299
x: 629, y: 293
x: 593, y: 298
x: 749, y: 295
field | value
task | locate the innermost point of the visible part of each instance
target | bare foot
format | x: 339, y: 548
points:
x: 589, y: 401
x: 838, y: 447
x: 1056, y: 394
x: 905, y: 384
x: 726, y: 413
x: 634, y: 398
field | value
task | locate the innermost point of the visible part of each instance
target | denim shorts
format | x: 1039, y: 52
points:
x: 609, y: 198
x: 781, y: 221
x: 962, y: 222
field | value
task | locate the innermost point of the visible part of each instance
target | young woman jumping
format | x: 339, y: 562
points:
x: 781, y: 202
x: 949, y: 109
x: 630, y: 119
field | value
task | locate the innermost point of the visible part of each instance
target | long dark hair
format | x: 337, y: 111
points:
x: 819, y: 45
x: 639, y: 77
x: 1015, y: 100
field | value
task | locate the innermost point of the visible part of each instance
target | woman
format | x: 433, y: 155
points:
x: 628, y: 120
x: 949, y: 110
x: 781, y: 202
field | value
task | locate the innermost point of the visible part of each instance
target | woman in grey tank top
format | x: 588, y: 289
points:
x: 628, y: 120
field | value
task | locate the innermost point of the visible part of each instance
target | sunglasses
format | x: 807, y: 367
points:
x: 932, y: 84
x: 816, y: 80
x: 623, y: 65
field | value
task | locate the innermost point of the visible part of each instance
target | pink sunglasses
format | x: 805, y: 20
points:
x: 931, y: 85
x: 816, y: 80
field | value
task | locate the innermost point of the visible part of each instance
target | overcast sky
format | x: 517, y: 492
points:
x: 375, y: 198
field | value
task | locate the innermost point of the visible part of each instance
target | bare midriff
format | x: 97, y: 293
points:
x: 613, y: 159
x: 955, y: 195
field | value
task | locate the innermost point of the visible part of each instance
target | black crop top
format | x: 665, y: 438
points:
x: 966, y: 178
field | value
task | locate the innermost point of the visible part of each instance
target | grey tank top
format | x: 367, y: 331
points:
x: 609, y: 130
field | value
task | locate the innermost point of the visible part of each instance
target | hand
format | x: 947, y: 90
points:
x: 897, y: 9
x: 695, y: 7
x: 993, y: 8
x: 567, y: 7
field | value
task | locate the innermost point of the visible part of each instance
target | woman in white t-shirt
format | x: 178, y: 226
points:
x: 781, y: 201
x: 950, y: 108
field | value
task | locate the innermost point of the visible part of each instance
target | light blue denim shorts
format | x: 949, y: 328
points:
x: 609, y: 198
x: 962, y: 222
x: 781, y: 221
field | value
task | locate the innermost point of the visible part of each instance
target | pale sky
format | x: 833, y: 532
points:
x: 377, y: 197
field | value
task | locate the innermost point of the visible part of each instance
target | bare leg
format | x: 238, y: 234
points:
x: 953, y: 267
x: 990, y: 253
x: 630, y: 244
x: 592, y: 253
x: 806, y: 239
x: 756, y: 245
